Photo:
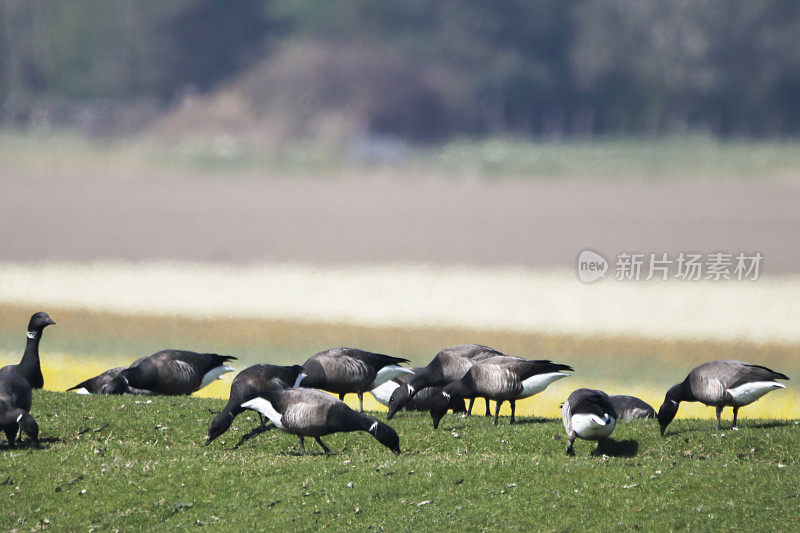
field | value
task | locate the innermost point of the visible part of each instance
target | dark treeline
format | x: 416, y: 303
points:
x: 414, y: 68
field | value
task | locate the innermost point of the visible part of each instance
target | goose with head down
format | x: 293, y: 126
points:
x: 451, y: 364
x: 171, y: 372
x: 248, y: 384
x: 500, y: 378
x: 15, y: 404
x: 589, y: 415
x: 720, y: 383
x: 313, y: 413
x: 421, y: 401
x: 347, y: 370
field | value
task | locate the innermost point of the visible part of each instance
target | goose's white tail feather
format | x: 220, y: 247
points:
x: 264, y: 407
x: 388, y: 373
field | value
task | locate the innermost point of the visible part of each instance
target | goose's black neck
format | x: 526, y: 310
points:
x: 29, y: 366
x: 463, y: 388
x: 428, y: 377
x: 682, y: 392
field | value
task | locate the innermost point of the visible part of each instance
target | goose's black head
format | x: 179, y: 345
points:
x: 439, y: 404
x: 386, y: 436
x: 30, y: 427
x: 399, y: 398
x: 669, y: 408
x: 39, y: 321
x: 118, y: 385
x: 219, y: 425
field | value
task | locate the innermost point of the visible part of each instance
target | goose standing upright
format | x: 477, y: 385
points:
x: 720, y: 383
x: 29, y: 367
x: 449, y: 365
x: 15, y: 403
x: 248, y: 384
x: 313, y: 413
x: 421, y: 401
x: 631, y: 408
x: 500, y: 378
x: 345, y: 370
x: 588, y: 414
x: 171, y: 372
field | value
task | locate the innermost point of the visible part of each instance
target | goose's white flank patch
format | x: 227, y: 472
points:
x: 750, y: 392
x: 383, y: 392
x: 82, y: 390
x: 539, y: 382
x: 388, y: 373
x: 373, y: 427
x: 592, y: 427
x: 214, y: 374
x: 264, y: 407
x: 31, y: 334
x: 19, y: 418
x: 300, y: 377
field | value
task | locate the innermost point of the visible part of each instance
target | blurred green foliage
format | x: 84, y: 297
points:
x: 545, y: 68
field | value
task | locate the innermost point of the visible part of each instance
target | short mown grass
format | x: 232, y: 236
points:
x: 122, y: 463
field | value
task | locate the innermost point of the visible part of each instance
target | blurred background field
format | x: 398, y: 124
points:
x: 272, y: 178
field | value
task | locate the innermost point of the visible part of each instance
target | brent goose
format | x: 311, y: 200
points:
x: 720, y: 383
x: 15, y: 403
x: 95, y: 385
x: 172, y: 372
x: 421, y: 401
x: 449, y: 365
x: 248, y: 384
x: 631, y: 408
x: 500, y: 378
x: 344, y: 370
x: 588, y: 414
x: 313, y: 413
x: 29, y: 367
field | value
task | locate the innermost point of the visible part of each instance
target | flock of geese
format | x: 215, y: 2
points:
x: 290, y: 397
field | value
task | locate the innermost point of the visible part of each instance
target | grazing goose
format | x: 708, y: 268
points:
x: 172, y: 372
x: 95, y: 385
x: 313, y: 413
x: 449, y: 365
x: 344, y: 370
x: 720, y: 383
x: 421, y: 401
x: 29, y: 367
x: 248, y: 384
x: 588, y: 414
x: 500, y: 378
x: 15, y: 403
x: 631, y: 408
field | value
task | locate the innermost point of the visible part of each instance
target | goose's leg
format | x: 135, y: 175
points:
x: 322, y: 445
x: 341, y: 396
x: 570, y: 449
x: 11, y: 434
x: 360, y: 402
x: 513, y: 409
x: 719, y: 413
x: 599, y: 449
x: 471, y: 403
x: 497, y: 404
x: 302, y: 445
x: 488, y: 411
x: 735, y: 416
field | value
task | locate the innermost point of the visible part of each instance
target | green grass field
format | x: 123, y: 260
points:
x: 121, y: 463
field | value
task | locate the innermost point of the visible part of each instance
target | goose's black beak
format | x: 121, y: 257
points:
x: 208, y: 441
x: 51, y: 322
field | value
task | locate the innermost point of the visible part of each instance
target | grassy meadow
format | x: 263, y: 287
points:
x: 121, y: 463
